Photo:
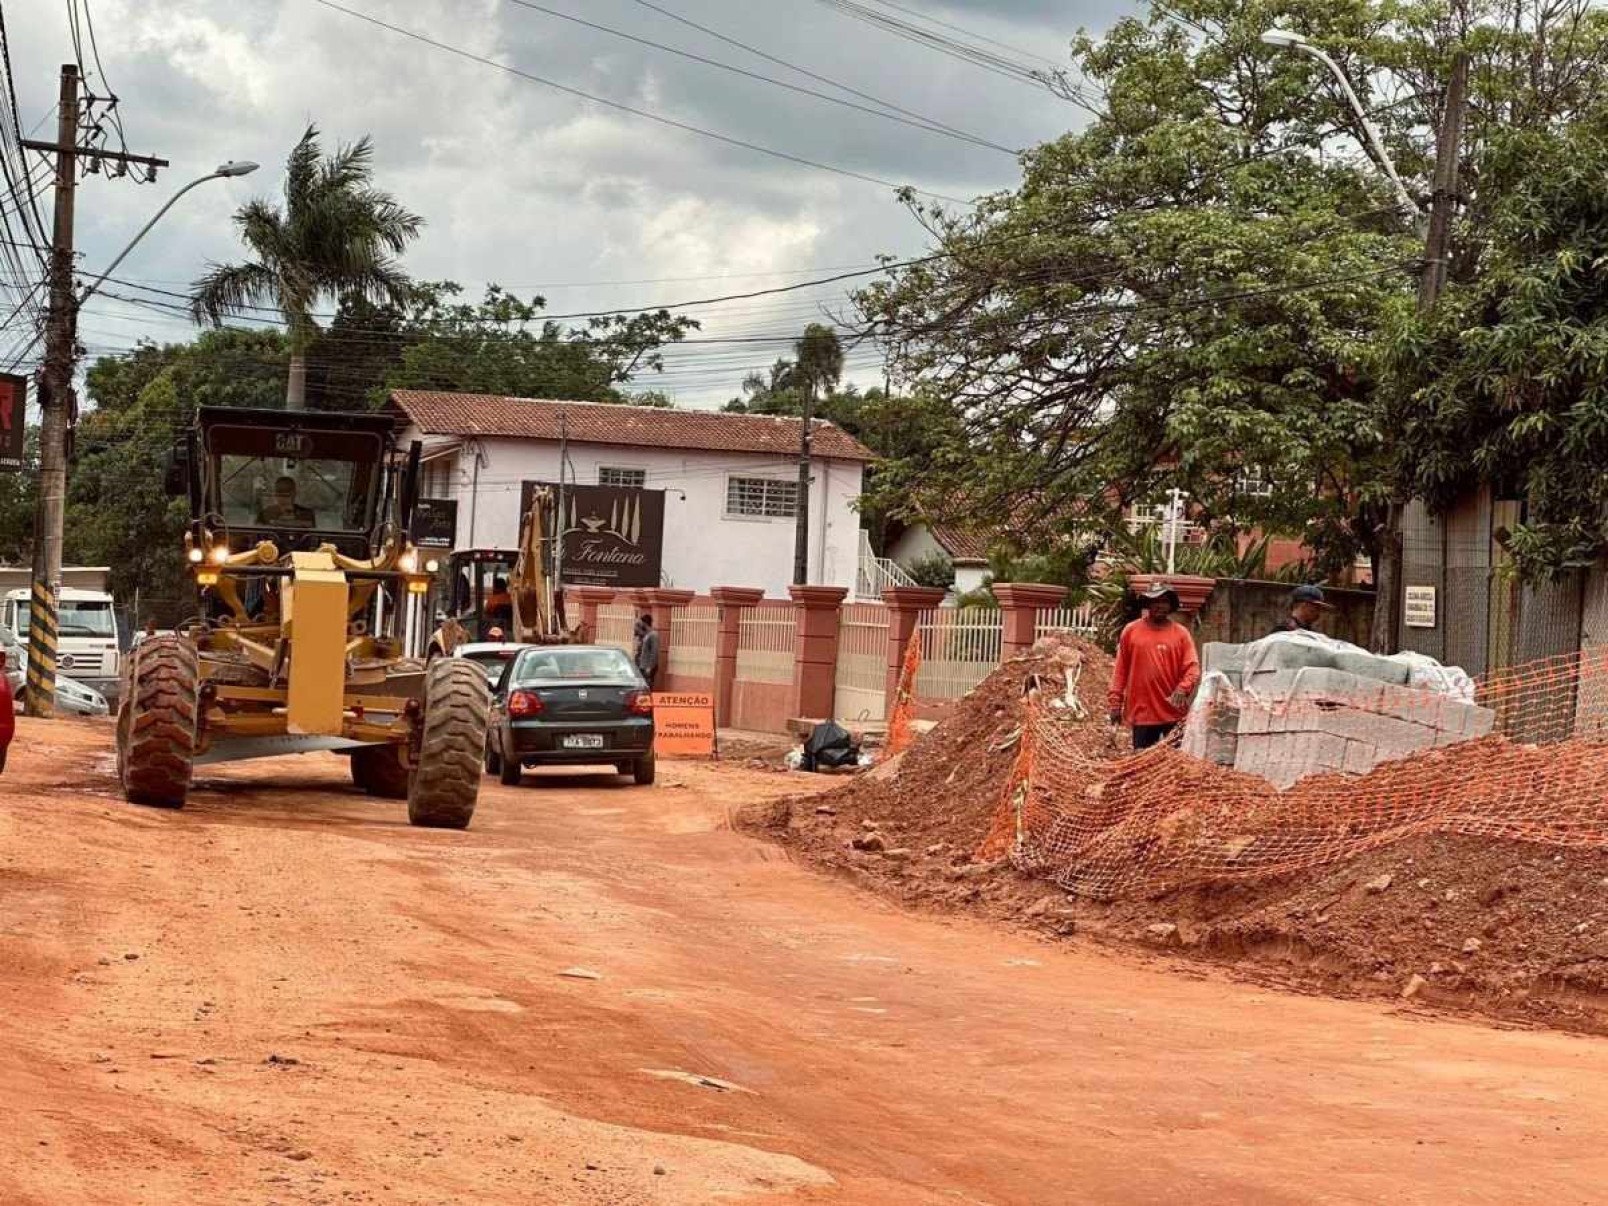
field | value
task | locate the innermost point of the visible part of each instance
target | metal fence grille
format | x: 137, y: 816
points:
x: 959, y: 648
x: 766, y: 635
x: 615, y: 626
x: 693, y: 633
x: 1080, y: 621
x: 862, y: 667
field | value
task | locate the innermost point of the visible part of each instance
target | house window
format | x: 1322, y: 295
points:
x: 624, y: 479
x: 762, y: 497
x: 1254, y: 482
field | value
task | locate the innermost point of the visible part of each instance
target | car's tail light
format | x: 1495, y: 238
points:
x: 525, y: 703
x: 639, y: 703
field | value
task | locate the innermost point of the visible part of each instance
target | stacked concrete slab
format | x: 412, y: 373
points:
x: 1286, y: 709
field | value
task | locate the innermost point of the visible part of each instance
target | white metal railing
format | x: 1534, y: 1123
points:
x: 694, y: 631
x: 861, y: 683
x: 1081, y: 621
x: 616, y: 626
x: 877, y: 573
x: 766, y: 635
x: 959, y: 648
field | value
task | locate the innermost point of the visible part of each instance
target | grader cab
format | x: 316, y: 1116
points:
x: 298, y: 545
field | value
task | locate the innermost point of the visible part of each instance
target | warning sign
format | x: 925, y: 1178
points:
x: 684, y: 724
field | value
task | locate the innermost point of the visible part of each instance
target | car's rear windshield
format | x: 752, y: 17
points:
x: 575, y: 666
x: 491, y: 661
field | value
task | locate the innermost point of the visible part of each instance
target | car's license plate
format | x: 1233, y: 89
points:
x: 583, y: 741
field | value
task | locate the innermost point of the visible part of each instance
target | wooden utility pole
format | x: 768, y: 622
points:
x: 55, y: 404
x: 1389, y: 591
x: 801, y: 520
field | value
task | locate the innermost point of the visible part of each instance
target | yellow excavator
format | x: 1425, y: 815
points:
x: 307, y: 582
x: 513, y: 592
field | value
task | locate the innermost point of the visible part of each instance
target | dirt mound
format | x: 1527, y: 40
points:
x: 912, y: 826
x: 1512, y: 929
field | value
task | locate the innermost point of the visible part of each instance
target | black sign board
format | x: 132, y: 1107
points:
x: 13, y: 412
x: 612, y: 536
x: 435, y: 523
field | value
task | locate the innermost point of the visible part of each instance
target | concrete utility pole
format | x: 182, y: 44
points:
x: 1390, y: 589
x: 801, y: 521
x: 56, y: 404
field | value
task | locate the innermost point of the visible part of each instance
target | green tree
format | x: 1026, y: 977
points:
x: 1507, y: 382
x: 336, y: 236
x: 1191, y: 292
x: 503, y: 346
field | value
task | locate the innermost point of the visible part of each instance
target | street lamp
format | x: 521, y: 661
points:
x: 235, y: 167
x: 1286, y: 39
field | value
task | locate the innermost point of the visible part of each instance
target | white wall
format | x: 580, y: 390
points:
x: 703, y: 546
x: 914, y: 543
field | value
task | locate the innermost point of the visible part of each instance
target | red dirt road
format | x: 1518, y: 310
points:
x: 291, y: 996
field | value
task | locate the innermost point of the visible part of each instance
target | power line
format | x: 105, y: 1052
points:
x: 805, y: 71
x: 624, y: 108
x: 920, y: 124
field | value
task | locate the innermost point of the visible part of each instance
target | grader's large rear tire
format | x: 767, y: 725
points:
x: 446, y: 781
x: 380, y: 771
x: 157, y: 721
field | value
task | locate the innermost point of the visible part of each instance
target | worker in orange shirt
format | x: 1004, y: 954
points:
x: 1157, y: 670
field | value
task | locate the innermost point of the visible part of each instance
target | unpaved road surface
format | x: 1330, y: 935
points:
x: 285, y: 995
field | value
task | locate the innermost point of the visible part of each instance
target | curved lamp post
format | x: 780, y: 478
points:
x: 1287, y: 40
x: 242, y: 167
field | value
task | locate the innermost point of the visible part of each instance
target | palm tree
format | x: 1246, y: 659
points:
x: 336, y: 236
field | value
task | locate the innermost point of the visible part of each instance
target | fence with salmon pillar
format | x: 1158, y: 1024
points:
x: 762, y: 690
x: 1083, y: 621
x: 960, y: 647
x: 616, y: 626
x: 860, y: 683
x: 694, y: 632
x: 1524, y: 760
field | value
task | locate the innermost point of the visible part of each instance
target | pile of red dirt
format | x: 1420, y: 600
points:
x: 1516, y: 930
x: 1511, y: 929
x: 913, y: 825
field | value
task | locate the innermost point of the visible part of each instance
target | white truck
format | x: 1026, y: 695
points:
x: 86, y: 647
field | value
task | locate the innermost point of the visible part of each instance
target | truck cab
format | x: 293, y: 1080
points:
x: 87, y: 635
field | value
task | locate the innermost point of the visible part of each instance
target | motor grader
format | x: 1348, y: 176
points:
x: 307, y: 583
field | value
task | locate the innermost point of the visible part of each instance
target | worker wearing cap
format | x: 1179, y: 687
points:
x: 1306, y: 609
x: 1157, y: 670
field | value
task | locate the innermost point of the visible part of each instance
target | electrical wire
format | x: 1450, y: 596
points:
x: 805, y: 71
x: 754, y: 75
x: 648, y: 115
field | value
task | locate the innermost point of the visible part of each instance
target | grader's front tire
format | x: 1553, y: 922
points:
x: 156, y: 726
x: 446, y: 782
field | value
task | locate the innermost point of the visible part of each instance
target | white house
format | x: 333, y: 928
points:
x: 729, y: 482
x: 967, y: 552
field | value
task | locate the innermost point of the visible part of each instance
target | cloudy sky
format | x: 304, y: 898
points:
x: 542, y: 191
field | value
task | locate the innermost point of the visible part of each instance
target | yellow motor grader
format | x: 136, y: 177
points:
x: 298, y: 542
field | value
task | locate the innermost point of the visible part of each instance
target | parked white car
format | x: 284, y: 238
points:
x: 72, y: 697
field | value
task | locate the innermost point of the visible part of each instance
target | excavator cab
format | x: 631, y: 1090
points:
x: 311, y: 595
x: 476, y: 596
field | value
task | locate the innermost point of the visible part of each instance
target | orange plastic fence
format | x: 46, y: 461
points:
x: 901, y: 730
x: 1166, y: 818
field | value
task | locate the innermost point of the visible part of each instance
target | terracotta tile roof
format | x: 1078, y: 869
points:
x: 961, y: 545
x: 442, y: 414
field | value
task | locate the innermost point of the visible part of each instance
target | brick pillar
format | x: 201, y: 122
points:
x: 662, y: 603
x: 905, y: 605
x: 1018, y: 601
x: 815, y: 653
x: 731, y: 600
x: 587, y: 599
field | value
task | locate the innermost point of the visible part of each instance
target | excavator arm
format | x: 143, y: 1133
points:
x: 530, y: 584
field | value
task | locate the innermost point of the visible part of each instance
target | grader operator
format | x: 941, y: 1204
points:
x: 298, y: 543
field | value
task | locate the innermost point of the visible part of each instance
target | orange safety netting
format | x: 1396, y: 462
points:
x: 901, y: 730
x: 1525, y: 759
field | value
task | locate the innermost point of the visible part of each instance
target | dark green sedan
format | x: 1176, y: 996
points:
x: 570, y: 705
